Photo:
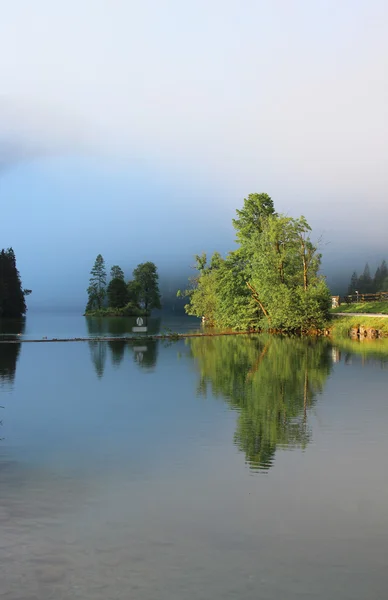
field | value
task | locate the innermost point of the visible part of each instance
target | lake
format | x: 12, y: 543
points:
x: 228, y: 467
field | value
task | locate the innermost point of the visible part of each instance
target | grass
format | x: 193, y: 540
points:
x: 363, y: 307
x: 340, y: 327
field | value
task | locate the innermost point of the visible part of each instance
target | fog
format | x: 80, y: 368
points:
x: 136, y: 129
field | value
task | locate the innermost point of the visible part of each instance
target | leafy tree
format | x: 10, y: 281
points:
x: 12, y: 295
x: 117, y: 289
x: 272, y: 280
x: 250, y: 217
x: 203, y: 290
x: 133, y: 292
x: 146, y: 284
x: 97, y: 284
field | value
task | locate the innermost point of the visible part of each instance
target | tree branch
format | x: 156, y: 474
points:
x: 256, y: 298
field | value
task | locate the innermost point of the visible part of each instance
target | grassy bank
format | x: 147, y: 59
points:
x: 341, y: 326
x: 117, y: 312
x: 363, y: 307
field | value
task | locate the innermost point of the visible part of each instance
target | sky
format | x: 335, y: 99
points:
x: 135, y: 129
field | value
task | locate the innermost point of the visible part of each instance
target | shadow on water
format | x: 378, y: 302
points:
x: 119, y: 326
x: 10, y: 329
x: 271, y: 381
x: 145, y: 356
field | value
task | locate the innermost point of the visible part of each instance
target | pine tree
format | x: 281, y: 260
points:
x: 365, y: 281
x: 353, y: 285
x: 97, y: 284
x: 12, y: 295
x: 117, y: 288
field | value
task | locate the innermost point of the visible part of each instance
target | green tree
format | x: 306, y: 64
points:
x: 12, y: 295
x: 272, y: 280
x: 250, y: 217
x: 146, y: 280
x: 283, y: 275
x: 97, y: 284
x: 116, y: 272
x: 203, y: 289
x: 117, y: 289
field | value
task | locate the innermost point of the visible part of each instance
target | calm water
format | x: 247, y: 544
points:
x: 71, y: 325
x: 232, y: 467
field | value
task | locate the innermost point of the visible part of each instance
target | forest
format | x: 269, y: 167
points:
x: 366, y: 284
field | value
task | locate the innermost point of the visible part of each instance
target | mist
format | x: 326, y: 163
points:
x: 135, y: 130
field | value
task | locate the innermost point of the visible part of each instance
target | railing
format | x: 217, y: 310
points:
x: 354, y: 298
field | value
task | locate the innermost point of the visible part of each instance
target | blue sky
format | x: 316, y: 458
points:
x: 135, y: 129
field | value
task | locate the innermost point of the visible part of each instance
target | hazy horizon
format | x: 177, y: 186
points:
x: 136, y: 130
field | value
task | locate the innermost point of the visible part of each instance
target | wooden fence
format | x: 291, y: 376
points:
x: 353, y: 298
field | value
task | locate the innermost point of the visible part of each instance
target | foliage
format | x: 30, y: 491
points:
x: 147, y: 284
x: 12, y: 295
x: 116, y: 272
x: 97, y: 285
x: 117, y: 293
x: 378, y: 307
x: 271, y: 380
x: 271, y: 281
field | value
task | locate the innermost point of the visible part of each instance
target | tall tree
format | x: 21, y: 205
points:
x: 365, y: 281
x: 146, y: 280
x: 250, y: 217
x: 271, y: 280
x: 97, y: 284
x: 353, y: 285
x: 117, y: 288
x: 12, y: 295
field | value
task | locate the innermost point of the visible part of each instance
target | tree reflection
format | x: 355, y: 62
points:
x: 271, y: 380
x: 146, y: 354
x: 117, y: 349
x: 98, y: 355
x: 10, y: 329
x: 119, y: 326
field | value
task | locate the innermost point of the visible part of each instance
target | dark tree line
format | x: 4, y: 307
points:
x: 12, y: 294
x: 366, y: 284
x: 141, y: 294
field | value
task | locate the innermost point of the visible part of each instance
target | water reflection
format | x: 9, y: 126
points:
x: 146, y: 355
x: 10, y: 329
x: 272, y: 381
x: 119, y: 326
x: 98, y: 356
x: 117, y: 350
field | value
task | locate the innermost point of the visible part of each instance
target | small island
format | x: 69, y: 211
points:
x: 137, y: 297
